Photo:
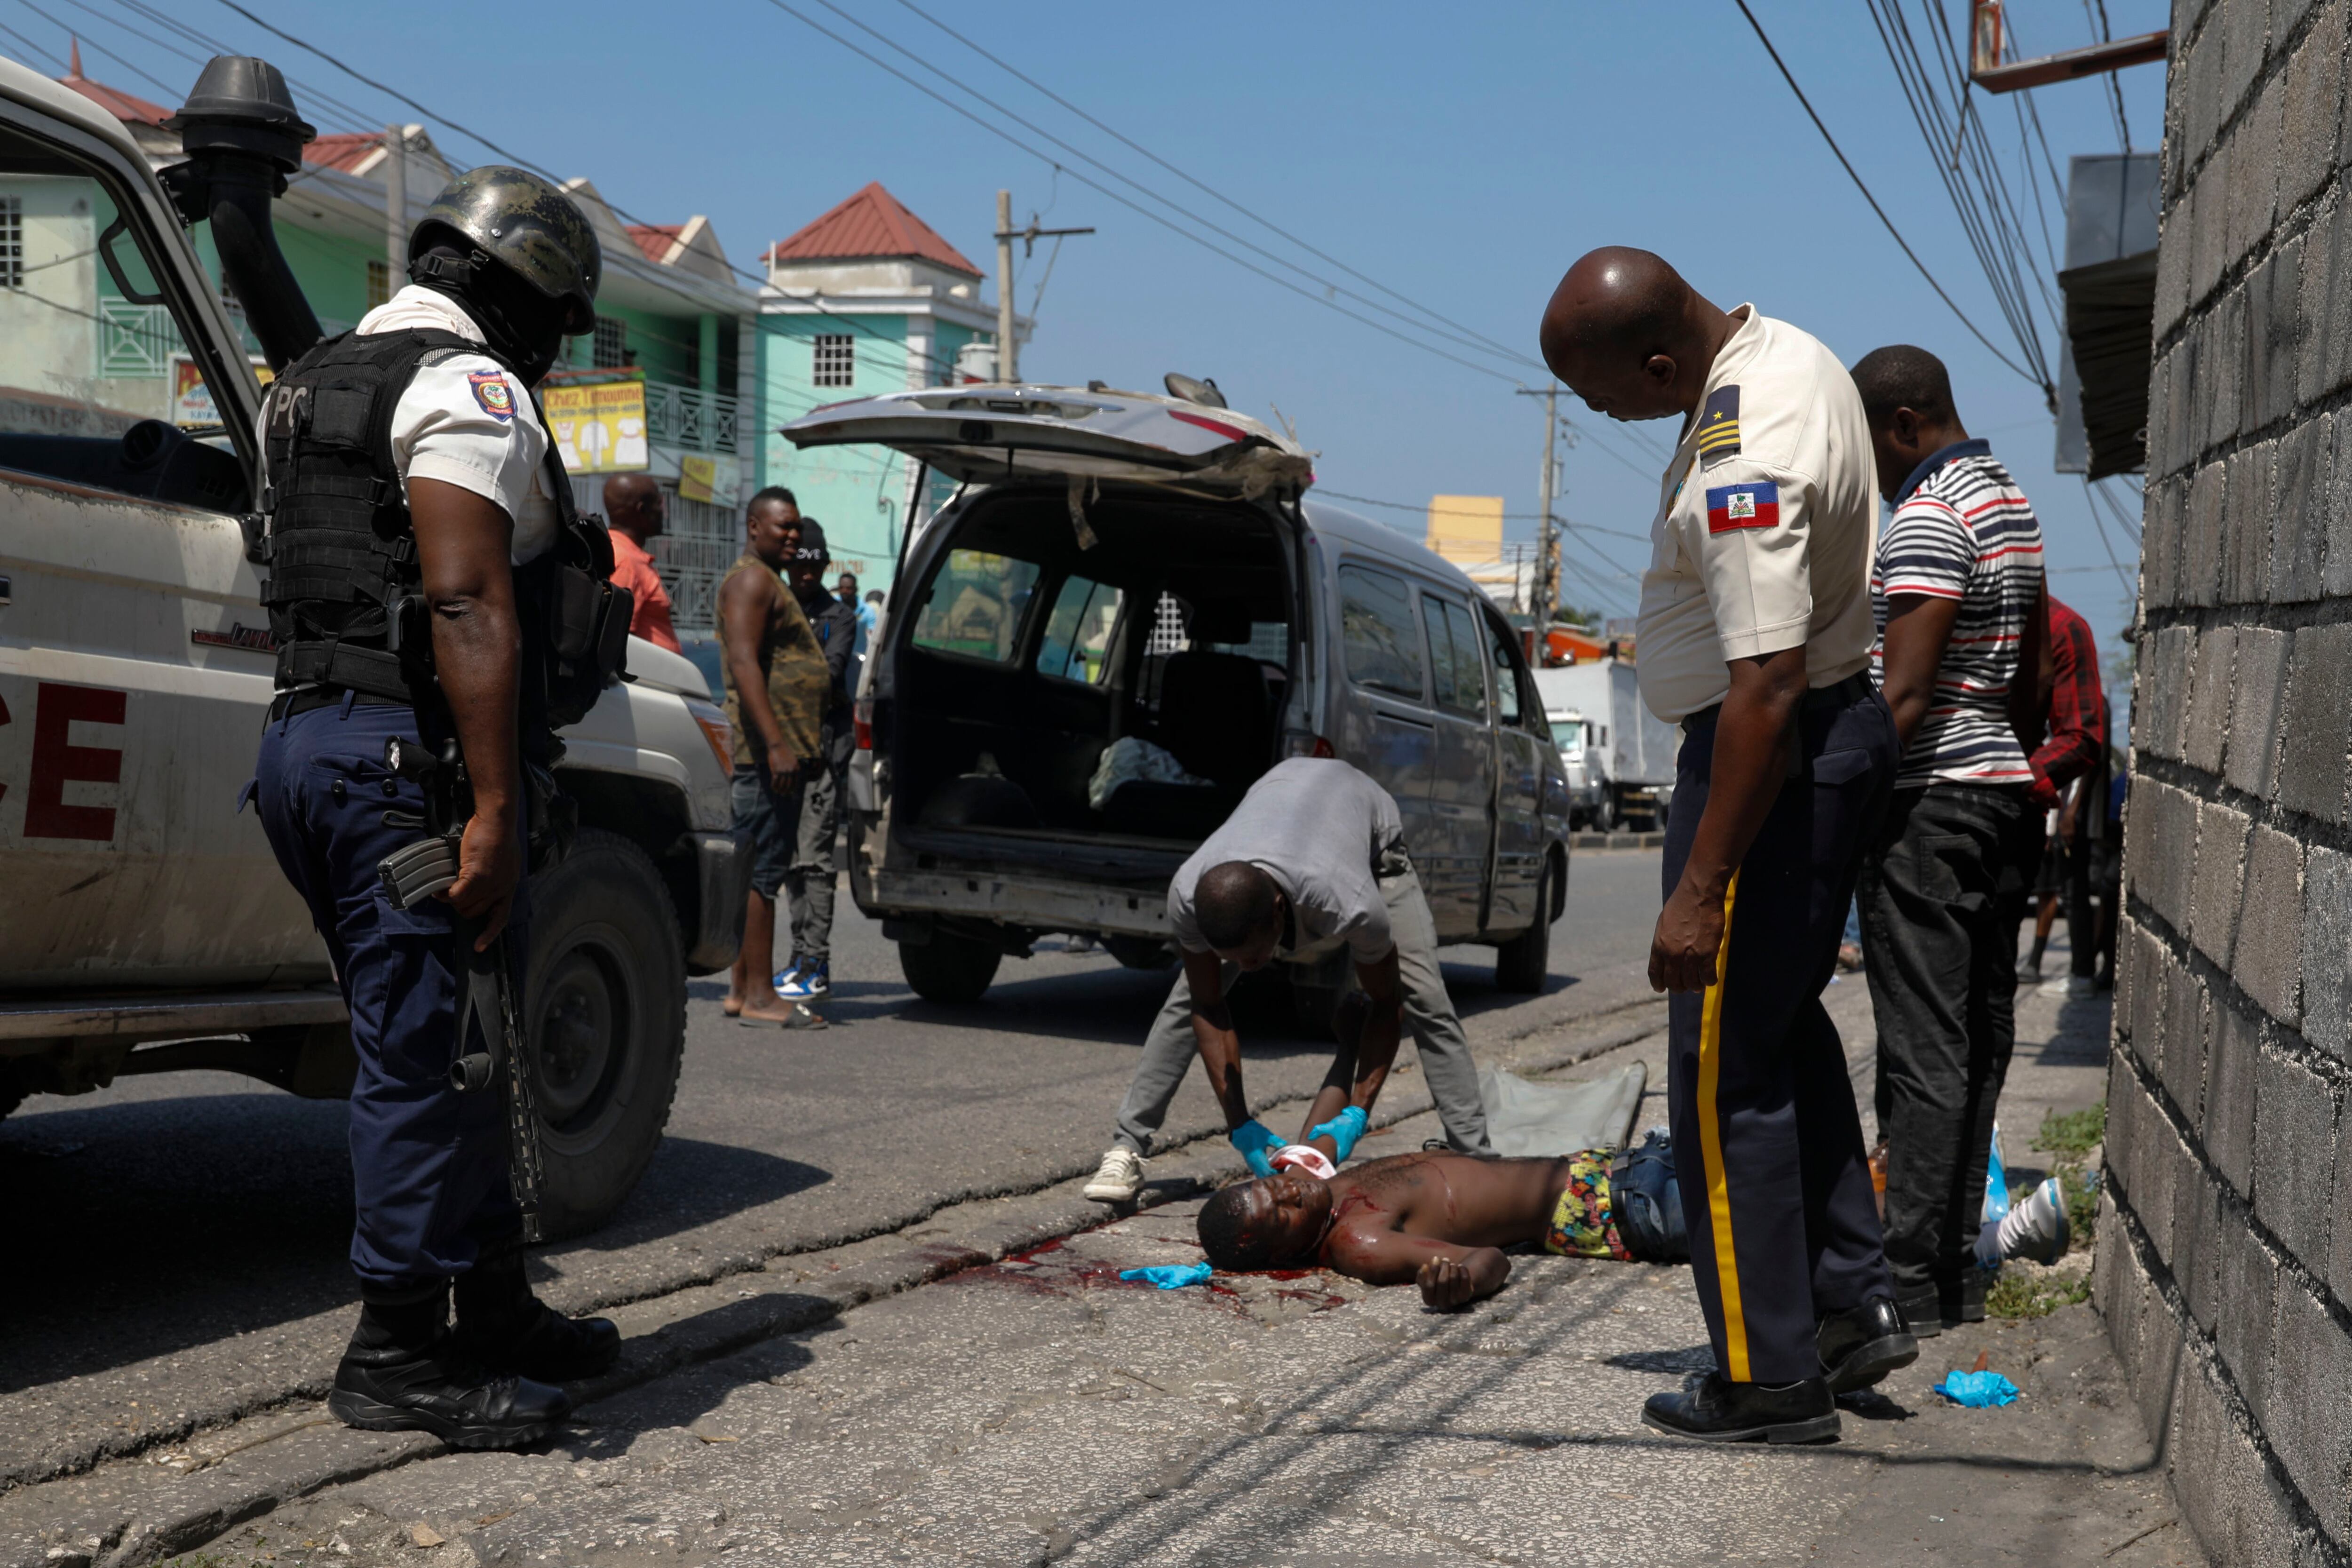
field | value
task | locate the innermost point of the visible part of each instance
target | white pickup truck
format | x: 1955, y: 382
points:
x: 144, y: 924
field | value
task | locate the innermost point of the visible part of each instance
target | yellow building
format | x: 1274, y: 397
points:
x: 1466, y: 530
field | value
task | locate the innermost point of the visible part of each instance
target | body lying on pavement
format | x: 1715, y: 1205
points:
x: 1441, y: 1220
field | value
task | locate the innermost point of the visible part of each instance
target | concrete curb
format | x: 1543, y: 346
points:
x: 122, y: 1513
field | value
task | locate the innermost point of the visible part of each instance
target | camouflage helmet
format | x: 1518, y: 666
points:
x: 529, y: 226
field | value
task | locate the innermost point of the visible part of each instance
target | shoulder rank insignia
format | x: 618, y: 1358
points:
x: 491, y: 390
x: 1718, y: 425
x: 1743, y: 506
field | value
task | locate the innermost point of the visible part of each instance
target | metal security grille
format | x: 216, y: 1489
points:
x: 612, y: 344
x: 837, y: 360
x: 379, y: 283
x: 12, y: 242
x: 700, y: 542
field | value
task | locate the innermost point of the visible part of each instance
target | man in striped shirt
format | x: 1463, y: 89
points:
x: 1962, y: 657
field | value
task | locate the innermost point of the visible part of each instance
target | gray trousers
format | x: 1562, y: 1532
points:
x: 1169, y: 1051
x: 810, y: 878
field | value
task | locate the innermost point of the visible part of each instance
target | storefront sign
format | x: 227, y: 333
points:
x: 599, y: 428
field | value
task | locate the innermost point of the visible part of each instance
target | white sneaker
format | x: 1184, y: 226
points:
x: 2037, y: 1227
x: 1118, y: 1179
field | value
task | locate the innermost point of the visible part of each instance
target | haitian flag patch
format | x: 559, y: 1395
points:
x: 491, y: 390
x: 1743, y: 506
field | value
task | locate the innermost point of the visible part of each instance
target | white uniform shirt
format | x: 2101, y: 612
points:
x: 465, y: 422
x: 1767, y: 518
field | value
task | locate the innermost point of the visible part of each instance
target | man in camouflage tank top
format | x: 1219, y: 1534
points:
x: 777, y: 685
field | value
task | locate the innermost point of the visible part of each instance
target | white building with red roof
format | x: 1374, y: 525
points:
x: 866, y: 299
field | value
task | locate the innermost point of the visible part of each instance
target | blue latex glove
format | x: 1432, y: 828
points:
x: 1343, y: 1130
x: 1977, y: 1389
x: 1172, y: 1276
x: 1256, y: 1145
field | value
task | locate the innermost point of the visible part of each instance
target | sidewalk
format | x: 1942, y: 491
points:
x: 1036, y: 1409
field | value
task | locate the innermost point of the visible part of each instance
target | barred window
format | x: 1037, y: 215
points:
x: 379, y: 283
x: 612, y: 344
x: 12, y: 242
x: 837, y: 360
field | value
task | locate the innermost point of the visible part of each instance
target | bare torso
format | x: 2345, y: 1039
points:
x: 1391, y: 1217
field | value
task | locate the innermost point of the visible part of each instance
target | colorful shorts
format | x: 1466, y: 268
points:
x: 1582, y: 1223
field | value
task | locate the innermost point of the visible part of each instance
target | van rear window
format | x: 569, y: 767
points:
x: 975, y: 605
x: 1384, y: 645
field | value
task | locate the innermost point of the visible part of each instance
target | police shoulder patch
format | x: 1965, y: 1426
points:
x: 1718, y: 425
x: 491, y: 390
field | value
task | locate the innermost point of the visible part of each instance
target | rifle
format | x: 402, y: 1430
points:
x: 487, y: 1005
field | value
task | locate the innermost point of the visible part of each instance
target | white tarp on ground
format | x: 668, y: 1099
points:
x: 1525, y: 1117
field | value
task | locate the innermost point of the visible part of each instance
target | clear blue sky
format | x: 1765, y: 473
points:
x: 1462, y: 157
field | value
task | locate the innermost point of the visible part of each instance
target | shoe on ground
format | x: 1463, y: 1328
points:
x: 809, y: 983
x: 2079, y: 986
x: 2028, y: 972
x: 1118, y: 1179
x: 1946, y: 1304
x: 789, y: 975
x: 408, y: 1388
x: 1714, y: 1410
x: 2037, y: 1229
x: 1861, y: 1345
x: 544, y: 1346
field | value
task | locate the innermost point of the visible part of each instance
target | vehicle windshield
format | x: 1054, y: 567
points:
x: 1567, y: 734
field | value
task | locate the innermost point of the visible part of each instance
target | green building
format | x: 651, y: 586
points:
x: 671, y: 314
x: 868, y: 298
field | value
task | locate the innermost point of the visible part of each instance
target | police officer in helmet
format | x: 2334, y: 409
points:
x: 415, y: 512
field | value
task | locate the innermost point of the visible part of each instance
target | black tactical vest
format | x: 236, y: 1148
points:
x: 344, y: 591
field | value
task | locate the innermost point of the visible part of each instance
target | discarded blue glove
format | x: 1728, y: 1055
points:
x: 1343, y: 1130
x: 1256, y: 1145
x: 1172, y: 1276
x: 1977, y: 1389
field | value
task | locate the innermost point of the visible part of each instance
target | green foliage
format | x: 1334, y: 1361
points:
x: 2076, y: 1133
x: 2017, y: 1295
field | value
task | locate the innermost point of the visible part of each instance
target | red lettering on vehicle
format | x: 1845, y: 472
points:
x: 57, y: 762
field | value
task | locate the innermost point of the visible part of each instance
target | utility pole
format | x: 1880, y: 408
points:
x: 395, y: 205
x: 1547, y: 584
x: 1008, y: 351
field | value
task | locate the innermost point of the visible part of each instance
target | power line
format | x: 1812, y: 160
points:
x: 1263, y: 222
x: 1847, y: 164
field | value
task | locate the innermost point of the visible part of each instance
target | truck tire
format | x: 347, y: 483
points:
x: 950, y: 970
x: 1148, y: 954
x: 604, y: 1013
x: 1604, y: 812
x: 1524, y: 963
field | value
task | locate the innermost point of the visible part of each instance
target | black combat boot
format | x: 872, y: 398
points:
x: 1717, y: 1411
x: 504, y: 1327
x: 1863, y: 1344
x: 403, y: 1374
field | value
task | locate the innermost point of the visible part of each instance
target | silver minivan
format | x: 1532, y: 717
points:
x: 1124, y: 616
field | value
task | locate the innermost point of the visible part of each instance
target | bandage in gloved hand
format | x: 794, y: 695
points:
x: 1304, y: 1157
x: 1256, y: 1144
x: 1343, y: 1130
x: 1170, y: 1276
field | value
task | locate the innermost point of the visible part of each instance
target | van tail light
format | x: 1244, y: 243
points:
x: 1299, y: 744
x: 862, y: 720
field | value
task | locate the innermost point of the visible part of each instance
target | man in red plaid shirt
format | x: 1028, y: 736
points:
x: 2074, y: 746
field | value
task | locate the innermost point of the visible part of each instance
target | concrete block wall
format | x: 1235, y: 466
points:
x: 2224, y: 1270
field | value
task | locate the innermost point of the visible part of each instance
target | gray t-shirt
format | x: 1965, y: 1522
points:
x: 1322, y: 831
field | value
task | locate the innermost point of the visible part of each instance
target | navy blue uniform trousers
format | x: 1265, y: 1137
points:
x: 1767, y: 1143
x: 429, y: 1163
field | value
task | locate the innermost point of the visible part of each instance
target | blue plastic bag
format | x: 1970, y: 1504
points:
x: 1996, y: 1198
x: 1977, y: 1389
x: 1170, y: 1276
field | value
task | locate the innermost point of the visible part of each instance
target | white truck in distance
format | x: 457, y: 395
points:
x: 1628, y: 753
x: 145, y: 926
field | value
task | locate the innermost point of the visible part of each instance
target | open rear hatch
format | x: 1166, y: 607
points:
x: 985, y: 434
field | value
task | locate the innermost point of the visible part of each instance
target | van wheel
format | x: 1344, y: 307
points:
x: 1524, y: 963
x: 604, y: 1013
x: 949, y: 969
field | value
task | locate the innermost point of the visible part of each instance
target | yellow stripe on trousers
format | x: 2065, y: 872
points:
x: 1711, y: 1134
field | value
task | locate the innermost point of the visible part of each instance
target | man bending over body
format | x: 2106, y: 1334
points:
x: 1441, y: 1220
